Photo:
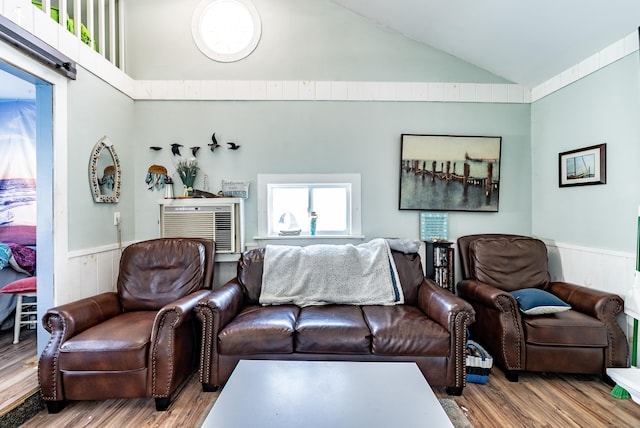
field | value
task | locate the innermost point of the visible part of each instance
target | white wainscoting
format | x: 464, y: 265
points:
x: 90, y: 272
x: 600, y: 269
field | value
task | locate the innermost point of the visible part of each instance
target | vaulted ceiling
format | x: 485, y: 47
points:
x: 524, y: 41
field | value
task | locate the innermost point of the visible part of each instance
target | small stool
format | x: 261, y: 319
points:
x: 25, y: 287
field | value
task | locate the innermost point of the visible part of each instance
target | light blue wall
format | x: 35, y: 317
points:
x: 305, y: 40
x: 301, y: 40
x: 96, y: 109
x: 326, y: 137
x: 601, y: 108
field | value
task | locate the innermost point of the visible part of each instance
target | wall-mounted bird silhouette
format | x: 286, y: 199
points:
x: 214, y: 144
x: 233, y: 146
x: 156, y: 148
x: 175, y: 149
x: 194, y: 150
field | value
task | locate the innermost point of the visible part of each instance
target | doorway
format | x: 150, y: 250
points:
x: 17, y: 83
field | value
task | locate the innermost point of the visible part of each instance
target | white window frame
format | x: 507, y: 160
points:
x: 317, y: 179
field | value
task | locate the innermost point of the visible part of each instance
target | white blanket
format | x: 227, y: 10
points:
x: 362, y: 274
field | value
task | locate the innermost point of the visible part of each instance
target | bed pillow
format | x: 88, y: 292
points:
x: 23, y: 259
x: 534, y: 301
x: 5, y: 255
x: 24, y: 285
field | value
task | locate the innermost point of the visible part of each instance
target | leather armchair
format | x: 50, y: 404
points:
x: 140, y: 341
x: 585, y: 339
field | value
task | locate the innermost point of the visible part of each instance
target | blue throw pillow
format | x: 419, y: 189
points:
x: 5, y: 255
x: 533, y: 301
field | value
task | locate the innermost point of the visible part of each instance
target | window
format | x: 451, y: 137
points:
x: 286, y: 201
x: 226, y: 30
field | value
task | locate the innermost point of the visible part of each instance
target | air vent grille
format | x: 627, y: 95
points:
x: 210, y: 222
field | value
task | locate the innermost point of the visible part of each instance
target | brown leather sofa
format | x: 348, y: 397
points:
x: 141, y: 341
x: 585, y: 339
x: 429, y: 328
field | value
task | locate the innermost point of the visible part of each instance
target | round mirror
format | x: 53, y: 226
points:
x: 104, y: 172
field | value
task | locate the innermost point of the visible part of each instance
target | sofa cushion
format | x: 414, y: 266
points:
x: 509, y: 263
x: 332, y: 329
x: 405, y: 330
x: 118, y: 344
x: 250, y: 273
x: 260, y: 330
x: 411, y: 275
x: 570, y: 328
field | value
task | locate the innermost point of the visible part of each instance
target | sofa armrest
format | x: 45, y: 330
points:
x: 64, y: 322
x: 224, y: 303
x: 603, y: 306
x: 455, y: 315
x: 442, y: 306
x: 498, y: 322
x: 215, y: 311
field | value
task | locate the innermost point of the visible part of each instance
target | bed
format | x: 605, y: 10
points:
x: 17, y: 261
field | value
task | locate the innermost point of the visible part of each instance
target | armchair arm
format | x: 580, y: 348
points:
x: 498, y: 322
x: 64, y: 322
x: 173, y: 341
x: 455, y: 315
x: 603, y: 306
x: 598, y: 304
x: 215, y: 311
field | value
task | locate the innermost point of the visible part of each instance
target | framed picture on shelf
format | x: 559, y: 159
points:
x: 449, y: 173
x: 583, y: 167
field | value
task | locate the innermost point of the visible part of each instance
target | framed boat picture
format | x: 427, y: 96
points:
x: 582, y: 167
x: 449, y: 173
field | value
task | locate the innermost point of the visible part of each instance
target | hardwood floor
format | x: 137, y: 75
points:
x: 545, y: 400
x: 18, y: 369
x: 537, y: 400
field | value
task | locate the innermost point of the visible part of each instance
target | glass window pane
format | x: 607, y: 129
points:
x: 331, y: 206
x: 289, y: 208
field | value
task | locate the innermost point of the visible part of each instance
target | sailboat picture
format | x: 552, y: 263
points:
x: 583, y: 166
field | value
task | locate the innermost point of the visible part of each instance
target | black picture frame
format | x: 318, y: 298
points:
x: 450, y: 172
x: 583, y: 167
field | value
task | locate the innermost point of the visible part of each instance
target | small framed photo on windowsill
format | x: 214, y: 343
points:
x: 583, y: 167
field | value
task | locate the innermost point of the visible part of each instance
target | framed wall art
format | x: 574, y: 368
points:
x: 449, y: 173
x: 582, y: 167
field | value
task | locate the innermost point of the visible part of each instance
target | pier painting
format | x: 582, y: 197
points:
x: 449, y: 173
x: 583, y: 166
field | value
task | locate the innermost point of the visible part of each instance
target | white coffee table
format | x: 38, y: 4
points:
x: 327, y: 394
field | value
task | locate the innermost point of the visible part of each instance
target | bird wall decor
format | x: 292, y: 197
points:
x: 156, y: 148
x: 214, y: 143
x: 175, y: 149
x: 233, y: 146
x: 194, y: 150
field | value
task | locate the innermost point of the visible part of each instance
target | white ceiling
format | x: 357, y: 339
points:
x: 524, y: 41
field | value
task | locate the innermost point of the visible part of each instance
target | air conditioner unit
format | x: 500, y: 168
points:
x: 220, y: 222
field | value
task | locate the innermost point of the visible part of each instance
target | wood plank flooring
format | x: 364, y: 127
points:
x: 18, y: 369
x: 545, y: 400
x: 537, y: 400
